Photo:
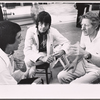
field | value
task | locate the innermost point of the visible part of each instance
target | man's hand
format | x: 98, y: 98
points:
x: 47, y: 59
x: 30, y: 73
x: 59, y: 53
x: 76, y: 50
x: 19, y: 64
x: 73, y: 65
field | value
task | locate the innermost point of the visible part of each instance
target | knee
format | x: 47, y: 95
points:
x: 62, y: 77
x: 28, y: 63
x: 65, y: 77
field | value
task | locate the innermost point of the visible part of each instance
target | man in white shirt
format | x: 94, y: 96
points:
x: 88, y: 68
x: 40, y: 42
x: 10, y: 38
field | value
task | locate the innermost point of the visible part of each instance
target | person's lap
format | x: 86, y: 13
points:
x: 69, y: 76
x: 81, y: 75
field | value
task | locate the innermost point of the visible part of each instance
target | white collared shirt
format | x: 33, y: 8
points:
x: 6, y: 70
x: 92, y: 47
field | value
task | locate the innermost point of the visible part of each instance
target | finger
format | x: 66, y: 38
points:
x: 73, y: 46
x: 70, y: 68
x: 65, y: 68
x: 49, y: 60
x: 56, y: 54
x: 73, y: 49
x: 74, y: 69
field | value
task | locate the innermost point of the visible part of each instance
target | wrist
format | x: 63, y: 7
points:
x: 88, y: 56
x: 63, y: 52
x: 40, y: 58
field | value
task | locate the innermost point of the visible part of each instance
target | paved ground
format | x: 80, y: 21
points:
x: 64, y: 17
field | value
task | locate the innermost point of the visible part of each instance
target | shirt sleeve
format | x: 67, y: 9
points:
x: 30, y: 46
x: 61, y: 41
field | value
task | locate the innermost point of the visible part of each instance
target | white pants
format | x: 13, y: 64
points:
x: 84, y: 73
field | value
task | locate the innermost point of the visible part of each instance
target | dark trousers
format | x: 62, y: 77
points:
x: 1, y: 14
x: 80, y: 7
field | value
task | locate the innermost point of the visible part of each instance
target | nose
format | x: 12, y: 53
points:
x: 83, y: 27
x: 43, y: 25
x: 20, y: 39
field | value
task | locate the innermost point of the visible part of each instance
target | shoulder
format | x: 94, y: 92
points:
x: 53, y: 30
x: 32, y: 28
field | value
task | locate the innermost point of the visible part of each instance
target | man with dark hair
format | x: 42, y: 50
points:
x: 40, y: 43
x: 35, y: 9
x: 10, y: 38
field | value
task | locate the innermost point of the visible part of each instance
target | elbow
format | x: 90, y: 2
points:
x: 23, y: 68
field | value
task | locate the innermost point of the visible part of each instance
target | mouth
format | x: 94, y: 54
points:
x: 84, y: 31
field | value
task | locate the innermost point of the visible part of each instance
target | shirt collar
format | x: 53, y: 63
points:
x: 98, y: 34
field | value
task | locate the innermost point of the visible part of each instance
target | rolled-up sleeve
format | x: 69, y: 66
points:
x: 61, y: 40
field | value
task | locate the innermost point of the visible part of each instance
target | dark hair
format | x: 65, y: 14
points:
x: 8, y: 32
x: 43, y: 17
x: 94, y: 17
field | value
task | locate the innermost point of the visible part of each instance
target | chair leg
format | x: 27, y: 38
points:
x: 50, y: 72
x: 46, y: 70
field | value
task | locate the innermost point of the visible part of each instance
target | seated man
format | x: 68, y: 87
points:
x: 87, y: 62
x: 10, y: 37
x: 40, y: 42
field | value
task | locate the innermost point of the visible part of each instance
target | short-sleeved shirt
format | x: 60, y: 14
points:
x: 92, y: 47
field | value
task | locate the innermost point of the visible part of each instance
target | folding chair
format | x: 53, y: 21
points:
x: 44, y: 66
x: 63, y: 60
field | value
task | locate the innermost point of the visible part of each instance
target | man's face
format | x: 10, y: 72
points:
x: 15, y: 45
x: 42, y: 27
x: 87, y: 27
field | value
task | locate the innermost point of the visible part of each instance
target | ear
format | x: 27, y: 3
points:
x: 95, y: 26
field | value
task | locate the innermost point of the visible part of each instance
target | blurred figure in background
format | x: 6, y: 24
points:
x: 80, y: 11
x: 35, y: 9
x: 1, y: 14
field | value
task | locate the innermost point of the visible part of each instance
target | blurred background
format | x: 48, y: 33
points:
x: 20, y: 12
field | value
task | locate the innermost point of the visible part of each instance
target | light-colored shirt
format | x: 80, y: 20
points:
x: 54, y: 38
x: 6, y: 70
x: 91, y: 47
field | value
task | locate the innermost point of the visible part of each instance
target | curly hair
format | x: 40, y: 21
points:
x: 94, y: 17
x: 8, y: 32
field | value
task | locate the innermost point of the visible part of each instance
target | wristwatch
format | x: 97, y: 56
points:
x: 88, y: 56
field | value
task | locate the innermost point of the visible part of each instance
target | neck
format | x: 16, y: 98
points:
x: 9, y: 52
x: 93, y: 35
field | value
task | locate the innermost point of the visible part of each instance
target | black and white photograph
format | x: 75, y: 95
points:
x: 49, y: 47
